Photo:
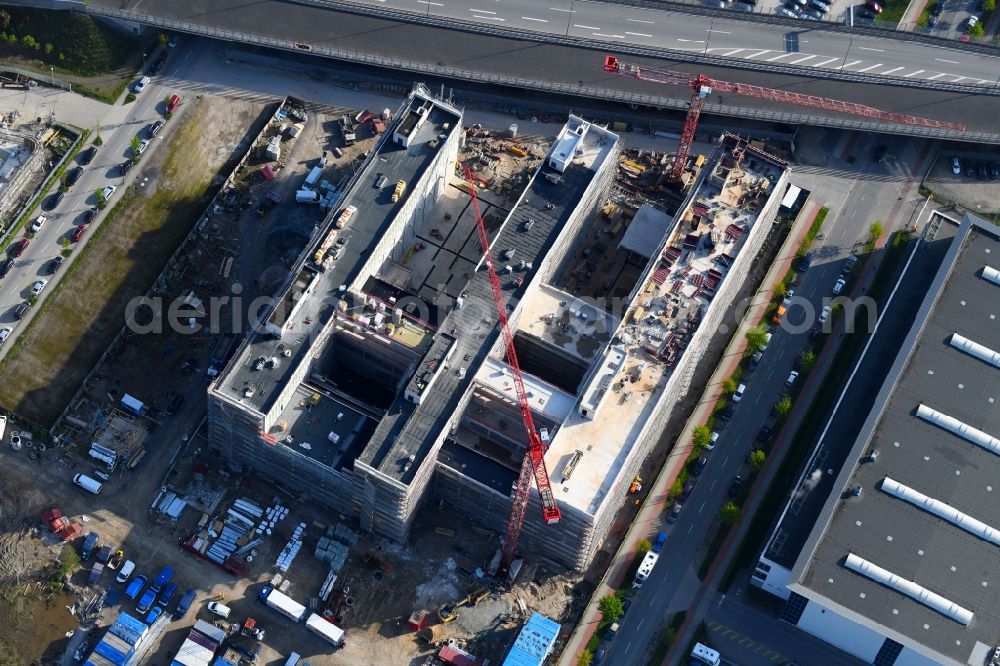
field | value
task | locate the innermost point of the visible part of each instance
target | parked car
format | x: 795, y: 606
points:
x: 142, y: 146
x: 767, y: 341
x: 184, y: 604
x: 18, y: 248
x: 108, y: 191
x: 88, y: 545
x: 792, y: 376
x: 838, y: 286
x: 736, y: 486
x: 78, y: 233
x: 53, y: 201
x: 37, y: 287
x: 805, y: 262
x: 699, y: 466
x: 675, y: 512
x: 823, y: 315
x: 5, y: 333
x: 219, y: 609
x: 849, y: 264
x: 765, y: 434
x: 37, y: 225
x: 755, y: 360
x: 166, y: 594
x: 88, y: 216
x: 73, y: 175
x: 135, y: 587
x: 146, y: 601
x: 154, y: 614
x: 155, y: 128
x: 125, y: 167
x: 5, y: 267
x: 686, y: 491
x: 661, y: 539
x: 55, y: 264
x: 21, y: 310
x: 714, y: 440
x: 140, y: 85
x: 87, y: 156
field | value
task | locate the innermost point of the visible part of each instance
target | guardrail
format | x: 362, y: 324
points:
x: 618, y: 47
x: 572, y: 89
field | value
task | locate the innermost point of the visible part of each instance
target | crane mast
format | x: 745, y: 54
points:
x: 533, y: 464
x: 703, y: 86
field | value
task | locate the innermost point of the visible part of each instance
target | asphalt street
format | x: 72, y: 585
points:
x: 730, y: 38
x: 414, y: 46
x: 118, y: 126
x: 857, y: 196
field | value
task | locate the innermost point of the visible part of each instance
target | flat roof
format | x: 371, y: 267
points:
x: 702, y: 241
x: 310, y: 418
x: 408, y: 432
x: 891, y: 532
x: 575, y: 326
x: 543, y: 397
x: 375, y: 212
x: 645, y: 231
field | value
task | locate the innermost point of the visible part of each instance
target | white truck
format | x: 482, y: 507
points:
x: 645, y: 568
x: 326, y: 630
x: 282, y: 603
x: 702, y: 654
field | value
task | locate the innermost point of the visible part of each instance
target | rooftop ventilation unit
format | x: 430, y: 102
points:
x: 972, y: 348
x: 909, y: 588
x: 872, y: 456
x: 963, y: 430
x: 855, y: 491
x: 991, y: 274
x: 941, y: 510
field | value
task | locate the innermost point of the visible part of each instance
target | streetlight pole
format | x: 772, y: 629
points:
x: 708, y: 39
x: 144, y: 62
x: 569, y: 20
x: 844, y: 64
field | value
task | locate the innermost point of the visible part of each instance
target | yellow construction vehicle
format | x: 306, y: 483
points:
x: 398, y: 192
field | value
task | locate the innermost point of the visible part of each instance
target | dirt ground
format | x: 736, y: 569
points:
x: 81, y: 318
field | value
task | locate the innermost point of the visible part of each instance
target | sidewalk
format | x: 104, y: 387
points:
x: 650, y: 513
x: 707, y: 593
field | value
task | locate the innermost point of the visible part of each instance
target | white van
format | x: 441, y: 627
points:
x: 88, y: 484
x: 219, y: 609
x: 140, y: 85
x: 293, y: 659
x: 126, y: 571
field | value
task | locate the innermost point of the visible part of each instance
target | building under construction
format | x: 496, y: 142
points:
x: 378, y: 378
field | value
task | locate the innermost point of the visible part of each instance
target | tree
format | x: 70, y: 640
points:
x: 134, y: 145
x: 586, y: 658
x: 644, y: 546
x: 783, y: 407
x: 757, y: 460
x: 611, y: 607
x: 988, y: 6
x: 729, y: 385
x: 101, y: 202
x: 874, y: 233
x: 756, y: 337
x: 730, y: 513
x: 49, y: 49
x: 808, y: 361
x: 4, y: 20
x: 701, y: 436
x: 675, y: 490
x: 98, y: 141
x: 977, y: 31
x: 780, y: 289
x: 164, y: 38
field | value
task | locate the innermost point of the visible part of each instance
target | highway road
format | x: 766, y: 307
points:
x: 749, y: 41
x: 119, y: 125
x: 528, y: 63
x: 856, y: 197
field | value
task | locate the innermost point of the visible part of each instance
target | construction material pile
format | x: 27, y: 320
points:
x: 335, y: 545
x: 291, y: 549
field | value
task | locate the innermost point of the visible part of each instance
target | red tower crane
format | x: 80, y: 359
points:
x: 533, y: 464
x: 703, y: 86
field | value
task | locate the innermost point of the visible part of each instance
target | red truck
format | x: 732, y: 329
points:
x: 65, y: 528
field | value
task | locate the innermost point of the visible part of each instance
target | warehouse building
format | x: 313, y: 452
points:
x: 378, y: 379
x: 888, y: 549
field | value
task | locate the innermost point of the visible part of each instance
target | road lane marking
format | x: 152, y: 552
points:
x: 560, y: 9
x: 640, y: 622
x: 950, y: 62
x: 795, y: 62
x: 852, y: 63
x: 640, y: 21
x: 585, y: 27
x: 725, y: 460
x: 825, y: 62
x: 919, y: 71
x: 528, y: 18
x: 729, y: 53
x: 779, y: 56
x: 865, y: 48
x: 490, y: 18
x: 695, y: 41
x: 895, y: 69
x: 936, y: 76
x: 721, y: 32
x: 712, y: 486
x: 959, y: 78
x: 428, y: 2
x: 701, y: 507
x: 638, y: 34
x: 482, y: 11
x: 599, y: 34
x: 870, y: 67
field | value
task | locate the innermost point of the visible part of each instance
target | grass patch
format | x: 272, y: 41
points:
x: 67, y: 564
x: 893, y: 11
x: 812, y: 424
x: 69, y: 42
x: 810, y: 236
x: 667, y: 638
x: 122, y: 259
x: 56, y: 177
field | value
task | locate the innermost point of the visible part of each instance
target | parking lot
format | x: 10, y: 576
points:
x: 976, y: 186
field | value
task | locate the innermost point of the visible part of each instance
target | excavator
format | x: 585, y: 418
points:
x: 449, y: 611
